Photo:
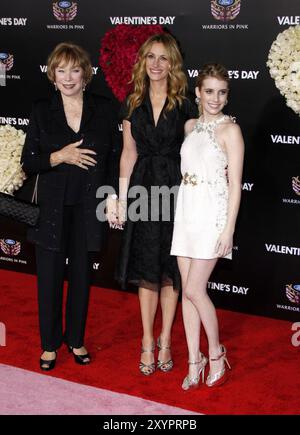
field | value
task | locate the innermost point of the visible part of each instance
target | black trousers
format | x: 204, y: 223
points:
x: 50, y: 273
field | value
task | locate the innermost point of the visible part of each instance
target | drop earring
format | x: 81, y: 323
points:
x: 198, y: 102
x: 55, y: 87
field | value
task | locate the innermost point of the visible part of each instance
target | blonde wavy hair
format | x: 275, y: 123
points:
x: 177, y: 82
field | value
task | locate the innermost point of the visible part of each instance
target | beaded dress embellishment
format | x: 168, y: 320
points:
x: 220, y: 183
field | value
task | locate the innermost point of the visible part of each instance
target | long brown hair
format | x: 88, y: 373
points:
x: 177, y: 82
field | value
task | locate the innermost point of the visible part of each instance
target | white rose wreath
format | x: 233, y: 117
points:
x: 284, y: 65
x: 11, y: 145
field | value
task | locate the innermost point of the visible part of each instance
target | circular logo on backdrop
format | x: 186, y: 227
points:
x: 64, y: 4
x: 293, y: 293
x: 65, y: 10
x: 225, y: 10
x: 10, y: 247
x: 7, y: 60
x: 225, y: 2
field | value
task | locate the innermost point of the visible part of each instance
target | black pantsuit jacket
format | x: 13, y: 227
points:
x: 48, y: 132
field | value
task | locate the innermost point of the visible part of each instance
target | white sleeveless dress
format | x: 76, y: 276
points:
x: 202, y: 202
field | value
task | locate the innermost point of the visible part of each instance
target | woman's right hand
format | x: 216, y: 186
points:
x: 73, y: 155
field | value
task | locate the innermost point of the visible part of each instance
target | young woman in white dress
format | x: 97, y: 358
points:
x: 207, y: 207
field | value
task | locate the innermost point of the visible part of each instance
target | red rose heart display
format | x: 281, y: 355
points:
x: 118, y: 53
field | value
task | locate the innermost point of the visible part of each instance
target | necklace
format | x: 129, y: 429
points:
x: 200, y: 125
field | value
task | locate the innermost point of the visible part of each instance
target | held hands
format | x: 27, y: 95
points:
x: 73, y: 155
x: 224, y: 244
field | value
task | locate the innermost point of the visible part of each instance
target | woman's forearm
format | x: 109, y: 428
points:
x: 127, y: 163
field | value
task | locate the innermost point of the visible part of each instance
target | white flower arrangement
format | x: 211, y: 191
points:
x: 11, y: 145
x: 284, y: 65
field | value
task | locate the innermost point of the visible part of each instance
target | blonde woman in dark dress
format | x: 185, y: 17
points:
x: 154, y: 115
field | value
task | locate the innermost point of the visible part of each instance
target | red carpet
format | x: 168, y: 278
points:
x: 265, y: 378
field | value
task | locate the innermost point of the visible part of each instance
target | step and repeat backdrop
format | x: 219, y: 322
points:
x: 264, y: 276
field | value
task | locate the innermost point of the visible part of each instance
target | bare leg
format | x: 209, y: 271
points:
x: 168, y: 301
x: 148, y: 305
x: 191, y: 317
x: 196, y: 292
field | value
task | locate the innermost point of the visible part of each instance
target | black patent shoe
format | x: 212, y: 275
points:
x: 80, y: 359
x: 47, y: 365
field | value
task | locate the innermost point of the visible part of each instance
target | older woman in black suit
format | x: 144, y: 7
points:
x: 69, y: 144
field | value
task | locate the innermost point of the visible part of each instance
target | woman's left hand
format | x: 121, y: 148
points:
x: 112, y: 211
x: 224, y: 244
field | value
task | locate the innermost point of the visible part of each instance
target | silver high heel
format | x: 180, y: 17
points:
x: 222, y: 375
x: 190, y: 383
x: 147, y: 369
x: 164, y: 366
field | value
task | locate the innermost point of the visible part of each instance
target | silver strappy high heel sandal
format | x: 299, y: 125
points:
x: 222, y: 375
x: 193, y: 382
x: 147, y: 369
x: 161, y: 365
